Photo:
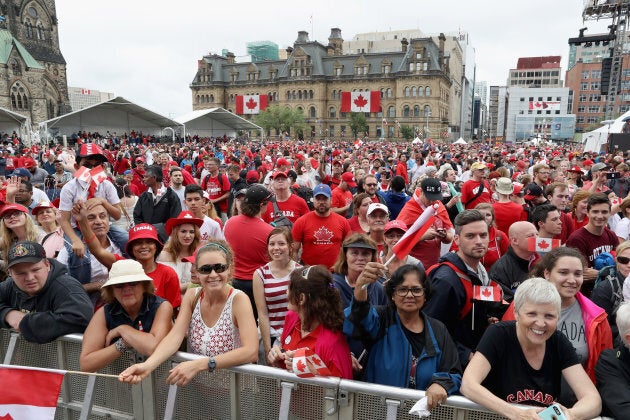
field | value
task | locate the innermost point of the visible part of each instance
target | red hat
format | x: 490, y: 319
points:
x: 282, y: 162
x: 89, y: 149
x: 336, y: 162
x: 575, y: 169
x: 143, y: 231
x: 182, y: 218
x: 587, y: 162
x: 348, y: 178
x: 518, y: 187
x: 13, y: 207
x: 395, y: 224
x: 41, y: 206
x: 252, y: 176
x: 279, y: 173
x: 29, y: 163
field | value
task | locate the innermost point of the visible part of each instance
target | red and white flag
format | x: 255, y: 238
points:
x: 307, y: 364
x: 492, y: 293
x: 358, y: 143
x: 414, y: 233
x: 537, y: 244
x: 29, y: 393
x: 83, y: 174
x: 250, y: 104
x: 361, y: 101
x: 98, y: 175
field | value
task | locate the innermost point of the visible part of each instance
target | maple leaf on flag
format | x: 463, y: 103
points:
x: 7, y: 417
x: 251, y: 104
x: 301, y: 366
x: 543, y: 244
x: 317, y: 361
x: 486, y: 292
x: 360, y: 102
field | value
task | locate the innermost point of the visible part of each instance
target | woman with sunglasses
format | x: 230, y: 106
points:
x: 608, y: 291
x: 133, y: 318
x: 426, y: 355
x: 217, y: 319
x: 314, y: 321
x: 17, y: 225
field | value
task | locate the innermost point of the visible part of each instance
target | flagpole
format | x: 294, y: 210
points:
x: 74, y: 372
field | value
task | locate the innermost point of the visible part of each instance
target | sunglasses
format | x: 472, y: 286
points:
x: 623, y: 260
x: 208, y: 268
x: 123, y: 285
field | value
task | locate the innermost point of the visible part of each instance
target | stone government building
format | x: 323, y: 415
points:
x: 32, y: 69
x: 415, y: 84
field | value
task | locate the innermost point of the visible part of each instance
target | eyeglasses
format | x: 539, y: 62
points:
x: 209, y: 268
x: 415, y: 291
x: 371, y: 185
x: 13, y: 215
x: 130, y: 284
x: 623, y: 260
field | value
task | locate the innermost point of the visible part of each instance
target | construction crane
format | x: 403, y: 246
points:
x: 618, y: 11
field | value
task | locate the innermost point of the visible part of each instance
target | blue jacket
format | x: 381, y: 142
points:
x: 389, y: 362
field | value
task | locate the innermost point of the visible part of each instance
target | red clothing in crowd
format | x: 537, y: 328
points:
x: 137, y: 181
x: 293, y: 209
x: 507, y: 213
x: 567, y: 227
x: 321, y: 237
x: 470, y: 189
x: 498, y: 243
x: 248, y: 238
x: 340, y: 198
x: 121, y: 165
x: 216, y: 189
x: 166, y: 284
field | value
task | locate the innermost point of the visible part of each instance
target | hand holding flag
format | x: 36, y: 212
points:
x: 412, y: 236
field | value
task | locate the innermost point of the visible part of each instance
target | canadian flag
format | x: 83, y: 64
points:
x: 414, y: 233
x: 98, y: 175
x: 358, y: 143
x: 250, y: 104
x: 537, y: 244
x: 492, y: 293
x: 306, y: 364
x: 83, y: 174
x: 29, y: 393
x: 361, y: 101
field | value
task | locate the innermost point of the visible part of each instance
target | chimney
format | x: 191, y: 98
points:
x: 441, y: 39
x: 404, y: 44
x: 335, y: 42
x: 302, y: 37
x: 289, y: 51
x: 231, y: 58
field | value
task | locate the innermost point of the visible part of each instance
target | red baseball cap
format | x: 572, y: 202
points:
x: 181, y: 219
x: 348, y: 178
x: 282, y: 162
x: 13, y: 207
x: 29, y: 163
x: 143, y: 231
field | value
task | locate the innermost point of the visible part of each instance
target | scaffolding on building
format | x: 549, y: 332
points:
x: 262, y: 51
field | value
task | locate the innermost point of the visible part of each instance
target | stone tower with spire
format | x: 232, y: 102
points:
x: 32, y: 69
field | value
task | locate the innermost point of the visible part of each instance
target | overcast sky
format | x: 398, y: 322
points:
x: 147, y: 51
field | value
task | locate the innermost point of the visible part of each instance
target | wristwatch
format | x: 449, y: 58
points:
x: 212, y: 365
x: 120, y: 345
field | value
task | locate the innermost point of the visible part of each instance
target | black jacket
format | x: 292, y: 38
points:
x: 509, y: 271
x: 612, y: 374
x: 61, y: 307
x: 153, y: 213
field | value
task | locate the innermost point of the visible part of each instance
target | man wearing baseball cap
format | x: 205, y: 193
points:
x: 476, y: 190
x: 291, y: 205
x: 39, y: 299
x: 320, y: 232
x: 342, y: 195
x: 428, y: 249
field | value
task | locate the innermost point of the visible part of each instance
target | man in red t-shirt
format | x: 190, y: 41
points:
x: 217, y: 185
x: 320, y: 232
x: 342, y: 196
x: 138, y: 176
x: 290, y: 205
x: 470, y: 189
x: 506, y: 212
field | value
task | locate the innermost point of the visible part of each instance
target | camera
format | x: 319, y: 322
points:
x: 613, y: 175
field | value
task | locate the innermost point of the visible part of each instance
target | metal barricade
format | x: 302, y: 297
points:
x: 243, y: 392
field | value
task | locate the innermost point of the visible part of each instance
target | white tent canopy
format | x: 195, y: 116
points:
x: 460, y: 141
x: 12, y: 121
x: 115, y: 115
x: 416, y: 141
x: 594, y: 140
x: 215, y: 122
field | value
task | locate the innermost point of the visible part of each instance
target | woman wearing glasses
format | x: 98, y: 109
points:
x: 426, y: 355
x: 217, y: 319
x: 133, y: 318
x: 314, y: 321
x: 17, y: 225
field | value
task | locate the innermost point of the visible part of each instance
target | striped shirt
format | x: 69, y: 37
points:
x: 275, y: 298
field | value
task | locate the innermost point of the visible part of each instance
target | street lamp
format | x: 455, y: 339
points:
x: 427, y: 114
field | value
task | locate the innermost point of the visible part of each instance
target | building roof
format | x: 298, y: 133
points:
x: 7, y: 43
x: 207, y: 117
x: 551, y: 61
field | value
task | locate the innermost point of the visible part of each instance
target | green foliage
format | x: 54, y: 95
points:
x: 280, y: 119
x: 357, y: 123
x: 406, y: 132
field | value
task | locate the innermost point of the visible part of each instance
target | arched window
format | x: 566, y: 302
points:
x: 406, y: 91
x: 414, y: 91
x: 299, y: 94
x: 15, y: 67
x: 198, y: 99
x: 420, y: 91
x: 332, y: 112
x: 40, y: 32
x: 312, y: 112
x: 391, y: 111
x: 427, y: 111
x: 211, y: 98
x: 382, y: 92
x: 19, y: 96
x: 427, y: 91
x: 416, y: 111
x: 293, y: 95
x: 406, y: 111
x: 389, y: 92
x: 311, y: 94
x: 288, y: 95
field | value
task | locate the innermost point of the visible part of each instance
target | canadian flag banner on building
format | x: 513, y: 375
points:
x: 546, y: 106
x: 250, y: 104
x: 307, y: 364
x: 361, y: 101
x: 29, y: 393
x: 85, y: 91
x: 492, y: 293
x: 536, y: 244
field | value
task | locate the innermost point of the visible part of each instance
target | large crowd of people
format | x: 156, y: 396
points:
x: 514, y: 292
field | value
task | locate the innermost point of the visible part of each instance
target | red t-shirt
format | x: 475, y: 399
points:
x: 166, y: 284
x: 470, y: 189
x: 340, y: 198
x: 216, y: 189
x: 507, y: 213
x: 138, y: 182
x: 248, y: 238
x: 321, y: 237
x: 567, y: 227
x: 293, y: 209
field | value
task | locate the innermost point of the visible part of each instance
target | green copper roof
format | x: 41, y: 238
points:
x: 7, y: 42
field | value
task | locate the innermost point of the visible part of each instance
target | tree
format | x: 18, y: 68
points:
x: 406, y: 132
x: 358, y: 123
x: 280, y: 119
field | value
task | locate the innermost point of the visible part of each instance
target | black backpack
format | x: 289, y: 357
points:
x: 306, y: 193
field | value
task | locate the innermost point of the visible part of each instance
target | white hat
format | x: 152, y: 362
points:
x: 504, y: 186
x: 126, y: 271
x: 377, y: 206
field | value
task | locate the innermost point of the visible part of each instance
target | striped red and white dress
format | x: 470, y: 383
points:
x: 275, y: 298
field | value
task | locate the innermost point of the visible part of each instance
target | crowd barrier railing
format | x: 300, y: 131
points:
x: 243, y: 392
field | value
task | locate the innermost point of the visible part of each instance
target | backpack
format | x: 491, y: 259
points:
x: 306, y: 193
x: 609, y: 274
